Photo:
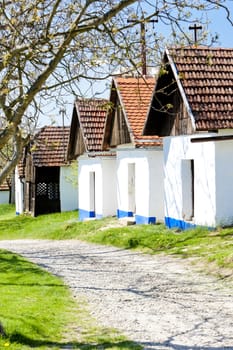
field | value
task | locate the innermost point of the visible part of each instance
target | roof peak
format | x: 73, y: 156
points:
x: 134, y: 77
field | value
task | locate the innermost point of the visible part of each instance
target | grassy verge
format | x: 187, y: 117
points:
x: 213, y: 247
x: 37, y: 311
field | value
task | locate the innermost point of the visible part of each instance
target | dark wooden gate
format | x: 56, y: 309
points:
x: 47, y: 191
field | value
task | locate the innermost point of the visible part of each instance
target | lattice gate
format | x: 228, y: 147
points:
x: 47, y: 190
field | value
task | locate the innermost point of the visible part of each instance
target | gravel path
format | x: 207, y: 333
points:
x: 158, y: 301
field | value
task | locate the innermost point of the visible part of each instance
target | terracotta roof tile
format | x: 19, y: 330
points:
x: 207, y: 78
x: 49, y: 146
x: 135, y: 95
x: 92, y: 115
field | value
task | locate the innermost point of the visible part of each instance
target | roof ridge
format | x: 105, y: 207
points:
x: 201, y: 47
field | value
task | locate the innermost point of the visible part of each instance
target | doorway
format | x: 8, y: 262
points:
x: 92, y: 194
x: 187, y: 178
x: 131, y: 189
x: 47, y: 190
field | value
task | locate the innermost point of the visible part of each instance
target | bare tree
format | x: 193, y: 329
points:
x: 46, y: 44
x: 37, y: 40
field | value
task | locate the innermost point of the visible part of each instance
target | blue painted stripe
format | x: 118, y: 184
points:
x: 144, y: 220
x: 85, y: 214
x: 124, y: 214
x: 181, y: 224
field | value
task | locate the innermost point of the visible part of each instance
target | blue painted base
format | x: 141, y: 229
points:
x: 144, y: 220
x: 85, y: 214
x: 17, y: 213
x: 139, y: 219
x: 124, y: 214
x: 174, y: 223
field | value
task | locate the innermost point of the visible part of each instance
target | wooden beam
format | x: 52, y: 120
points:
x: 211, y: 138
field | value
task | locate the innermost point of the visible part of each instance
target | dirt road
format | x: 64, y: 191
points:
x: 158, y: 301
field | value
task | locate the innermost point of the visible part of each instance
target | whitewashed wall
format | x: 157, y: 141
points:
x: 213, y: 173
x: 68, y: 190
x: 140, y: 184
x: 224, y: 183
x: 19, y: 203
x: 97, y: 187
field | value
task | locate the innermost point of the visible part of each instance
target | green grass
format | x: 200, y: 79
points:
x: 209, y: 246
x: 37, y: 311
x: 213, y: 247
x: 25, y: 226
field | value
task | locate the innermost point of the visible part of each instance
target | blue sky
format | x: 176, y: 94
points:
x: 218, y: 24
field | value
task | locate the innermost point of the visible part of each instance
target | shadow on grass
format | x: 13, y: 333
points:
x: 16, y: 265
x: 26, y: 341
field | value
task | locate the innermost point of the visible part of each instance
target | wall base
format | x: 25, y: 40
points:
x: 175, y: 223
x: 85, y: 214
x: 124, y: 214
x: 139, y: 219
x: 144, y: 220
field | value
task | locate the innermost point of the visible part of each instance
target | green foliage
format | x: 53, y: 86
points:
x: 163, y: 71
x: 209, y: 60
x: 211, y: 246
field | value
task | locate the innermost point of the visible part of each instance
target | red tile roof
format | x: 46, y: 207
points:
x: 135, y: 95
x: 49, y: 147
x: 206, y: 75
x: 92, y: 116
